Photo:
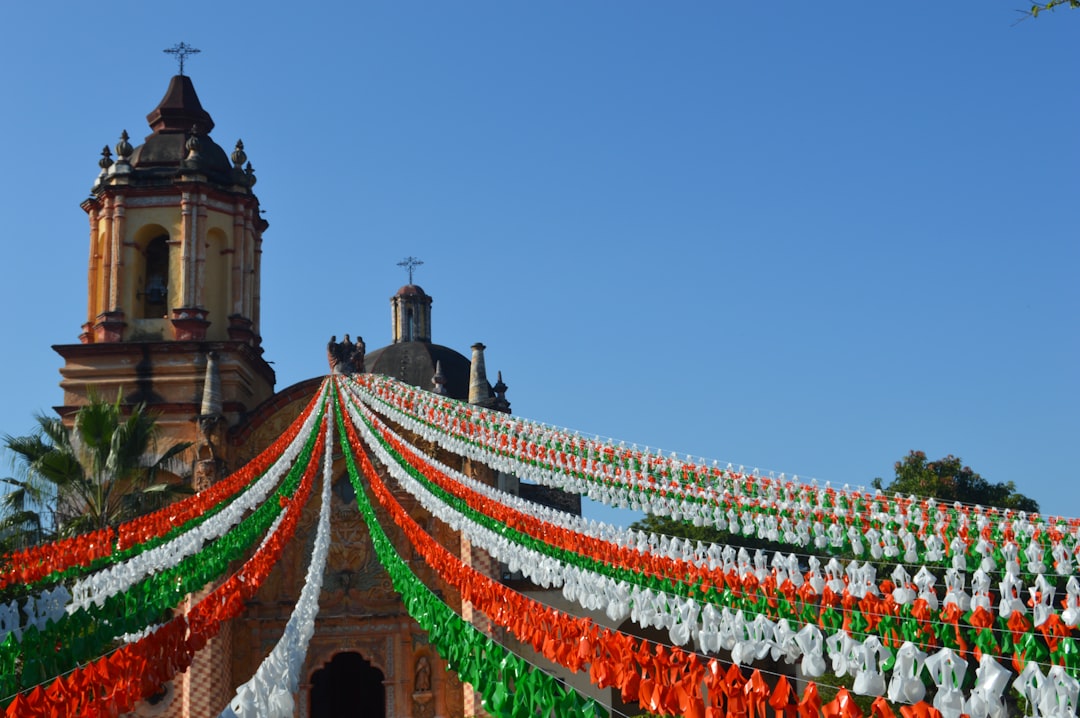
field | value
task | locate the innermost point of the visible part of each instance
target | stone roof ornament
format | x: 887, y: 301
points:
x: 123, y: 156
x: 500, y: 403
x: 479, y: 388
x: 410, y: 263
x: 106, y: 159
x: 124, y: 148
x: 239, y: 157
x: 193, y: 143
x: 181, y: 51
x: 211, y: 398
x: 439, y: 380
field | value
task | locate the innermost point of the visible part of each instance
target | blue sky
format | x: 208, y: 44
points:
x: 803, y: 237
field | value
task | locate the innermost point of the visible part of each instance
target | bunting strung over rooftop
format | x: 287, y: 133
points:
x: 391, y: 536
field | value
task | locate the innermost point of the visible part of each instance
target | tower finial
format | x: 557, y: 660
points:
x: 439, y: 380
x: 479, y: 388
x: 410, y: 263
x: 181, y: 51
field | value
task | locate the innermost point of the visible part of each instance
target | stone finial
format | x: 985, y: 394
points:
x: 211, y: 398
x: 193, y: 143
x: 209, y: 467
x: 106, y: 159
x: 479, y: 388
x: 439, y: 380
x: 250, y: 172
x: 124, y: 148
x: 500, y: 403
x: 239, y: 157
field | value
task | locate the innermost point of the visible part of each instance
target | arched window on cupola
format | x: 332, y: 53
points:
x: 155, y: 290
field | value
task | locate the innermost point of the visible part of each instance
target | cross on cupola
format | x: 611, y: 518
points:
x: 411, y: 308
x: 181, y: 51
x: 410, y: 263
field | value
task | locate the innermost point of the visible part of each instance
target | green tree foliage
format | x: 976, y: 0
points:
x: 105, y: 470
x: 949, y: 480
x: 1052, y: 5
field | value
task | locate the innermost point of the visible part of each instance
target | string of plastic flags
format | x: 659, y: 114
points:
x: 663, y: 679
x: 155, y: 554
x: 507, y: 683
x: 61, y: 560
x: 91, y: 630
x: 911, y: 661
x: 269, y: 693
x: 69, y: 667
x: 916, y: 599
x: 923, y: 531
x: 678, y: 594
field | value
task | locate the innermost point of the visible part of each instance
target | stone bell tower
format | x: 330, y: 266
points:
x: 173, y: 277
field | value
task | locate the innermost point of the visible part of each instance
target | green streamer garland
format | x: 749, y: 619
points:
x: 508, y: 684
x: 88, y: 632
x: 777, y: 606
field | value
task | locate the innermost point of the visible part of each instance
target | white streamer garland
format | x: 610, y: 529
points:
x: 1011, y: 588
x: 271, y: 690
x: 691, y: 491
x: 748, y: 639
x: 95, y: 588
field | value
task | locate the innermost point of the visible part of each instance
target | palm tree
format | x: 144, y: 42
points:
x: 20, y: 522
x: 102, y: 472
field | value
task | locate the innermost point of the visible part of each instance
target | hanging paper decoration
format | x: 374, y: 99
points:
x: 979, y: 601
x: 756, y: 587
x: 489, y: 667
x: 868, y: 677
x: 88, y: 631
x: 270, y: 692
x: 59, y: 560
x: 804, y: 515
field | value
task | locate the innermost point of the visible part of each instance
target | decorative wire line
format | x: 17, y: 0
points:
x: 994, y: 629
x: 933, y: 621
x: 853, y: 633
x: 556, y: 470
x: 77, y: 667
x: 701, y: 655
x: 705, y: 657
x: 755, y: 473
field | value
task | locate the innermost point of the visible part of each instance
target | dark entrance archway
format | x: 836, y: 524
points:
x: 348, y: 686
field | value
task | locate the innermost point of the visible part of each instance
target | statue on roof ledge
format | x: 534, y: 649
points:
x: 345, y: 357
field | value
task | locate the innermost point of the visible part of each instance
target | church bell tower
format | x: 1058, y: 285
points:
x: 173, y: 276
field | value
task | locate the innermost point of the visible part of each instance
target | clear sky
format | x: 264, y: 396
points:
x: 805, y: 237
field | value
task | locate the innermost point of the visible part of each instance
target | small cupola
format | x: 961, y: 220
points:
x: 411, y: 315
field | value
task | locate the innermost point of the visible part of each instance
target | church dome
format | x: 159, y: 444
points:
x: 415, y: 362
x: 411, y: 290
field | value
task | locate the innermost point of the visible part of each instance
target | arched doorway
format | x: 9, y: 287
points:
x: 348, y: 686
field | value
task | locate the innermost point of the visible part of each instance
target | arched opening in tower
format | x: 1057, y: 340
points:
x: 155, y: 289
x: 348, y: 686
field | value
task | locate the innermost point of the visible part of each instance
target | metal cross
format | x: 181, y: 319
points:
x: 410, y: 263
x: 181, y: 51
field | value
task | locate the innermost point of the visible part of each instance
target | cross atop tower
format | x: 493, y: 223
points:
x: 410, y: 263
x: 182, y: 51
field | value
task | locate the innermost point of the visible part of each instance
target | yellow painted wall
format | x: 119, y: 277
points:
x: 217, y: 289
x: 142, y: 225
